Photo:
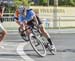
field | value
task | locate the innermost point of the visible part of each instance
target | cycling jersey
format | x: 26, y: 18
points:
x: 29, y: 15
x: 19, y: 15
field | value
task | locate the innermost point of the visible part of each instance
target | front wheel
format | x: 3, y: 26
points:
x: 37, y: 45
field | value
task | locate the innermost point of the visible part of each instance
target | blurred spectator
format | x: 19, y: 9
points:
x: 2, y: 30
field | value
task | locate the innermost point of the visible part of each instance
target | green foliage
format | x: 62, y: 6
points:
x: 25, y: 2
x: 63, y: 2
x: 66, y: 2
x: 43, y: 2
x: 19, y: 2
x: 10, y: 8
x: 72, y: 2
x: 51, y: 2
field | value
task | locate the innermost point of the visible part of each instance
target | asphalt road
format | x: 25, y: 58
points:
x: 17, y: 49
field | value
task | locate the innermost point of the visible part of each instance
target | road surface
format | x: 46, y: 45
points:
x: 17, y: 49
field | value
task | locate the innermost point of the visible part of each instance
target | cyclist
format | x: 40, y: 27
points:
x: 27, y: 17
x: 20, y: 16
x: 2, y: 30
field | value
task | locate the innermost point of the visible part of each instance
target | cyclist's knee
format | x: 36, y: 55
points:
x: 42, y: 29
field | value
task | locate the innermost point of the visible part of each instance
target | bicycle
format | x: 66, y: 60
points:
x: 37, y: 40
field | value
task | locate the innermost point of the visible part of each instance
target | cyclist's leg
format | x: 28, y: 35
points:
x: 52, y: 46
x: 42, y: 29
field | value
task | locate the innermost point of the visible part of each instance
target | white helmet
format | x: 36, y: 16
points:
x: 21, y: 7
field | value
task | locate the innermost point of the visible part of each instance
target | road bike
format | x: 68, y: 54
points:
x: 36, y: 39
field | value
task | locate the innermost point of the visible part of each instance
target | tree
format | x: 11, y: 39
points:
x: 19, y: 2
x: 72, y: 2
x: 63, y: 2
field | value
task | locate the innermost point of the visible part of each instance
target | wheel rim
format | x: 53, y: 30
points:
x: 40, y: 48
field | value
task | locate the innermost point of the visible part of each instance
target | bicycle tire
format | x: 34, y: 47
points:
x: 23, y: 36
x: 53, y: 52
x: 48, y: 46
x: 38, y: 51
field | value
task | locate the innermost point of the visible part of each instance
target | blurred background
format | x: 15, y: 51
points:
x: 58, y: 17
x: 55, y: 14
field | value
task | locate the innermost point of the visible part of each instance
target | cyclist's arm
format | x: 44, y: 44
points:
x: 16, y: 15
x: 16, y: 20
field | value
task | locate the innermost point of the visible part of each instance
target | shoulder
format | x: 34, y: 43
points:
x: 30, y: 11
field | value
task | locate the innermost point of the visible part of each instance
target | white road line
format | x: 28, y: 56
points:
x: 13, y: 33
x: 22, y: 53
x: 12, y: 30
